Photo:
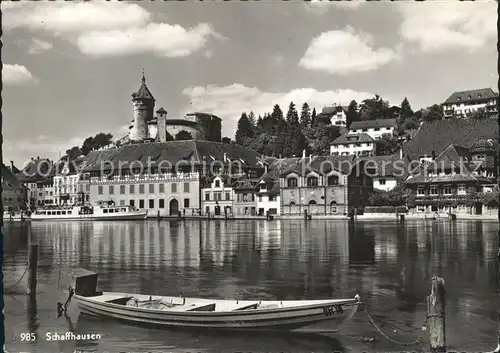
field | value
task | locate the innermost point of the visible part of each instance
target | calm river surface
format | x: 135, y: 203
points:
x: 389, y: 265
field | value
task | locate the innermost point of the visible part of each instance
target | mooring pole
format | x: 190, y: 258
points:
x: 497, y: 350
x: 32, y: 265
x: 436, y: 304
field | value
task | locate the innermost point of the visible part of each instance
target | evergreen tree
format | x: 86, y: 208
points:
x: 432, y: 113
x: 277, y: 120
x: 294, y: 139
x: 374, y: 108
x: 313, y: 118
x: 244, y: 130
x: 183, y: 135
x: 253, y: 120
x: 305, y: 116
x: 352, y: 113
x: 406, y: 111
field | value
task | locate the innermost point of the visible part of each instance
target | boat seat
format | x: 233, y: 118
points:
x: 195, y: 307
x: 234, y: 306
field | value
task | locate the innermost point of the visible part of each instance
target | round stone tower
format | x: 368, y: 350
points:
x: 143, y: 102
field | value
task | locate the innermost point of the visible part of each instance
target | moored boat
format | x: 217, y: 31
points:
x: 101, y: 211
x: 227, y: 314
x: 16, y: 216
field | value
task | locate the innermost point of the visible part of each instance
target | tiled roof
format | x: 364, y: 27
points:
x: 369, y: 124
x: 143, y: 92
x: 422, y: 178
x: 352, y: 138
x: 484, y: 146
x: 322, y: 165
x: 475, y: 94
x: 332, y: 109
x: 36, y: 170
x: 246, y: 184
x: 436, y: 136
x: 9, y: 181
x: 388, y: 166
x: 197, y: 152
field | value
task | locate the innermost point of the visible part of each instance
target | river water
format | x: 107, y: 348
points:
x: 389, y: 265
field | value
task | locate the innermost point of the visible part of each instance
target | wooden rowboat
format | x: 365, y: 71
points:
x: 180, y: 312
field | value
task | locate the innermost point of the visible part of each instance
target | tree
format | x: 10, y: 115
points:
x: 244, y: 130
x: 277, y: 120
x: 324, y: 135
x: 478, y: 115
x: 168, y: 137
x: 294, y: 139
x: 305, y: 116
x: 386, y: 146
x: 433, y: 113
x: 374, y: 108
x: 406, y: 111
x: 72, y: 153
x: 399, y: 196
x: 313, y: 117
x: 352, y: 113
x: 183, y: 135
x: 253, y: 120
x: 94, y: 143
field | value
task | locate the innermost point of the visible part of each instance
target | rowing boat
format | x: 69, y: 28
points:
x: 183, y: 312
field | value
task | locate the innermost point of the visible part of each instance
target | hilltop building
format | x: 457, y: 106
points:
x: 148, y: 127
x: 376, y: 129
x: 461, y: 104
x: 336, y: 113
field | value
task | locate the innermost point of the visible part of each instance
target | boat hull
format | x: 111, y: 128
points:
x: 114, y: 217
x: 287, y: 318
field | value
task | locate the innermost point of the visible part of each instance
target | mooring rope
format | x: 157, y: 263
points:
x: 19, y: 281
x: 418, y: 341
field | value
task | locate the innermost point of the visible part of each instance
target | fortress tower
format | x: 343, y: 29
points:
x: 143, y: 102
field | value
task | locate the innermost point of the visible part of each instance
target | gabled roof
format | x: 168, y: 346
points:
x: 333, y: 109
x: 322, y: 165
x: 369, y: 124
x: 438, y: 135
x: 352, y: 138
x: 143, y: 92
x: 475, y: 94
x: 170, y: 153
x: 388, y: 166
x: 9, y: 180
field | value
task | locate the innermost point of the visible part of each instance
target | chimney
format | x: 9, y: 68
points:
x: 303, y: 153
x: 265, y: 168
x: 310, y: 157
x: 401, y: 153
x: 225, y: 157
x: 38, y: 157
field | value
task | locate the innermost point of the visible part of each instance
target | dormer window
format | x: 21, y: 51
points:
x: 312, y: 181
x: 292, y: 182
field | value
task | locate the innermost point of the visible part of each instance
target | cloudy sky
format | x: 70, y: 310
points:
x: 69, y: 68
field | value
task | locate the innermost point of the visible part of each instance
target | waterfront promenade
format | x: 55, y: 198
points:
x: 388, y: 264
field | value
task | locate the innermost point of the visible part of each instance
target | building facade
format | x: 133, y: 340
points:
x: 324, y: 185
x: 461, y: 104
x: 218, y: 197
x: 353, y: 144
x: 268, y: 197
x: 245, y: 200
x: 376, y: 129
x: 337, y: 114
x: 14, y: 194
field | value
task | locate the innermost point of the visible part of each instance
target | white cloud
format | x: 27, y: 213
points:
x: 323, y: 6
x: 441, y: 26
x: 161, y: 39
x: 38, y: 46
x: 109, y: 28
x: 17, y: 75
x: 344, y: 52
x: 228, y: 102
x: 60, y: 18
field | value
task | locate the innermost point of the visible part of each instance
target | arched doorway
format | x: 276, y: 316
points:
x: 217, y: 210
x: 174, y: 207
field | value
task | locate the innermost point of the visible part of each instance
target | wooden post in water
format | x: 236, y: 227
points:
x: 32, y: 265
x: 305, y: 215
x: 436, y: 315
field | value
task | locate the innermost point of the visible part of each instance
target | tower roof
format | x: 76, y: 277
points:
x: 143, y: 92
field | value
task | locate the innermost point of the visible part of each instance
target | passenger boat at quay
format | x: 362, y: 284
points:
x: 216, y: 314
x: 103, y: 210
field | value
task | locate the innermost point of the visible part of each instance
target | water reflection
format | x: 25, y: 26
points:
x: 390, y: 265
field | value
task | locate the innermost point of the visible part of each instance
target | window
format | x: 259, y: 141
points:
x: 354, y: 130
x: 111, y: 189
x: 207, y: 210
x: 333, y: 180
x: 253, y: 197
x: 461, y: 189
x: 122, y: 189
x: 273, y: 211
x: 186, y: 203
x: 162, y: 188
x: 292, y: 182
x: 141, y: 189
x: 365, y: 130
x: 99, y: 189
x: 447, y: 190
x: 376, y: 129
x: 122, y: 202
x: 151, y: 203
x: 151, y: 188
x: 141, y: 203
x: 228, y: 196
x: 260, y: 198
x: 421, y: 191
x: 434, y: 190
x: 272, y: 198
x: 161, y: 203
x: 207, y: 196
x: 217, y: 183
x: 218, y: 196
x: 186, y: 187
x: 312, y: 181
x: 131, y: 189
x: 174, y: 187
x: 381, y: 181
